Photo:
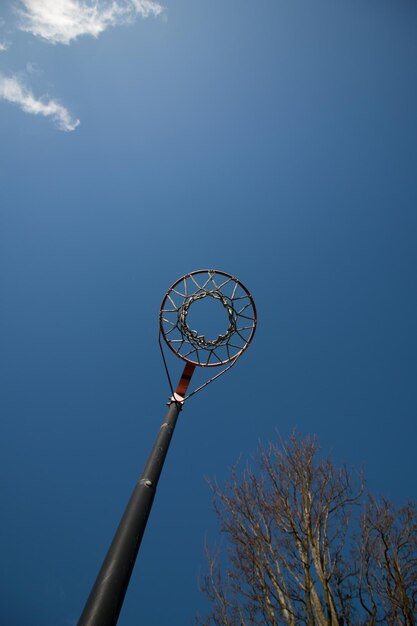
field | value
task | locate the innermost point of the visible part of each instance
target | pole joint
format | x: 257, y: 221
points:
x: 146, y: 482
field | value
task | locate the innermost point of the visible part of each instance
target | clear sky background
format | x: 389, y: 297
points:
x: 276, y: 141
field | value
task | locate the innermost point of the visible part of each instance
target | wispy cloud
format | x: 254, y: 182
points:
x: 33, y: 68
x: 61, y: 21
x: 4, y: 45
x: 12, y: 90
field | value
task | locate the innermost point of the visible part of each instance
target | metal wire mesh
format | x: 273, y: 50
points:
x: 194, y: 346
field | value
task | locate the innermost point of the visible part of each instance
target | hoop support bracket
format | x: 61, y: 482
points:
x: 179, y: 396
x: 181, y: 391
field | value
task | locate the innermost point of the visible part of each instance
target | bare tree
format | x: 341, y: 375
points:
x: 388, y: 563
x: 305, y: 547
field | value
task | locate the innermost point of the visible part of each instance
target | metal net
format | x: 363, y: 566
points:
x: 186, y: 296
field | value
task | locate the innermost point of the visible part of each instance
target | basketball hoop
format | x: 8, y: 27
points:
x: 182, y: 302
x: 196, y: 347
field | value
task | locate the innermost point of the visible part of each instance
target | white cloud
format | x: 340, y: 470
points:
x: 61, y: 21
x: 12, y: 90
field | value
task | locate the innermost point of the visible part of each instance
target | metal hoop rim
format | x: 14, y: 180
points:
x: 208, y: 272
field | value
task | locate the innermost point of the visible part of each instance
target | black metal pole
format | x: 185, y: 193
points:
x: 106, y: 598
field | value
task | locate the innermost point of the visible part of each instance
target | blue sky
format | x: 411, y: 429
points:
x: 276, y: 141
